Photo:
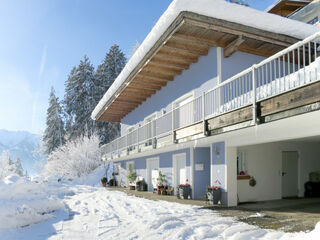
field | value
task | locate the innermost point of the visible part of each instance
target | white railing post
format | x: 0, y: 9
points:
x: 172, y: 124
x: 254, y: 99
x: 138, y: 138
x: 204, y: 113
x: 127, y: 149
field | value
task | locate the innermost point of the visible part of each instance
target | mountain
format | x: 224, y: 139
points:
x: 21, y: 144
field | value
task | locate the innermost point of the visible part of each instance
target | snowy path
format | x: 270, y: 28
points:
x: 95, y: 213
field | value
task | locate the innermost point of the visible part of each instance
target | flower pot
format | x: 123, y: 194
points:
x: 132, y: 187
x: 184, y: 191
x: 104, y: 184
x: 163, y: 192
x: 214, y: 195
x: 159, y: 188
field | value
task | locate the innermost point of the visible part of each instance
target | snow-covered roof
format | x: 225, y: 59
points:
x: 219, y: 9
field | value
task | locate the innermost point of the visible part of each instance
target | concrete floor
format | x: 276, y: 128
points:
x: 289, y: 215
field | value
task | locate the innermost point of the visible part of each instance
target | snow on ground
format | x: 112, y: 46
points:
x: 23, y: 202
x: 93, y: 212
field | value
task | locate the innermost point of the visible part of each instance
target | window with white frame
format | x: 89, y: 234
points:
x: 242, y: 163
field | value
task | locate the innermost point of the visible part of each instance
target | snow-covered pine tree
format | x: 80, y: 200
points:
x: 6, y: 165
x: 78, y: 101
x: 54, y: 135
x: 105, y: 75
x: 18, y: 167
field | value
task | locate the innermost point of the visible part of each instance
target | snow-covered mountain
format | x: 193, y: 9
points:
x: 21, y: 144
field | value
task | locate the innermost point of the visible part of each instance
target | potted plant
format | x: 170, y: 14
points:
x: 184, y: 190
x: 132, y: 175
x: 104, y: 181
x: 214, y: 193
x: 160, y: 182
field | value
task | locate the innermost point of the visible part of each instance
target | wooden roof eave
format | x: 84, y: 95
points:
x: 165, y: 66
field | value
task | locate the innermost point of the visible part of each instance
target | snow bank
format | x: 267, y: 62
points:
x: 94, y: 178
x: 219, y: 9
x: 23, y: 202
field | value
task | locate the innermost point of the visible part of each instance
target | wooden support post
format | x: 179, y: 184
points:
x: 233, y: 46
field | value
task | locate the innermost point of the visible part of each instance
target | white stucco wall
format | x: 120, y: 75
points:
x: 200, y: 77
x: 264, y: 163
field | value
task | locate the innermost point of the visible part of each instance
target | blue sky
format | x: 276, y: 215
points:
x: 40, y: 41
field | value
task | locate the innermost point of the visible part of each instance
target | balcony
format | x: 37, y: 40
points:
x: 283, y: 82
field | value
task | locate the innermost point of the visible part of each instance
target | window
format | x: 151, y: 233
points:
x: 313, y: 21
x: 241, y: 163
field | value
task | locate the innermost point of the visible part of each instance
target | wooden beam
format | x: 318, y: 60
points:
x: 189, y: 131
x: 168, y: 61
x: 157, y: 74
x: 126, y: 105
x: 144, y: 80
x: 195, y: 40
x: 255, y: 51
x: 185, y: 51
x: 231, y: 118
x: 128, y: 93
x: 150, y: 77
x: 162, y: 70
x: 139, y: 90
x: 117, y: 112
x: 168, y: 65
x: 121, y: 101
x: 296, y: 98
x: 232, y: 47
x: 164, y: 55
x: 138, y: 85
x: 122, y: 106
x: 188, y: 46
x: 132, y: 97
x: 239, y: 30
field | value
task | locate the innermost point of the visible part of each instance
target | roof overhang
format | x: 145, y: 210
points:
x: 287, y: 7
x: 189, y: 36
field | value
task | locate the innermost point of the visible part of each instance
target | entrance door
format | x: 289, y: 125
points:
x: 290, y: 174
x: 179, y: 170
x: 152, y: 173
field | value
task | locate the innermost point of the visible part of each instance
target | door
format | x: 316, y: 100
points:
x: 152, y: 173
x: 290, y: 174
x: 179, y: 170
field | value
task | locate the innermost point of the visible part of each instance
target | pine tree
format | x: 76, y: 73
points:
x: 54, y: 135
x: 78, y: 102
x: 6, y: 165
x: 105, y: 75
x: 18, y: 167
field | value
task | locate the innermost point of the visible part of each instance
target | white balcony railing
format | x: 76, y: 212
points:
x: 295, y: 66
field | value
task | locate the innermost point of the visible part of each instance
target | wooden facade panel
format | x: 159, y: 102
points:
x: 296, y: 98
x: 189, y: 131
x: 231, y: 118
